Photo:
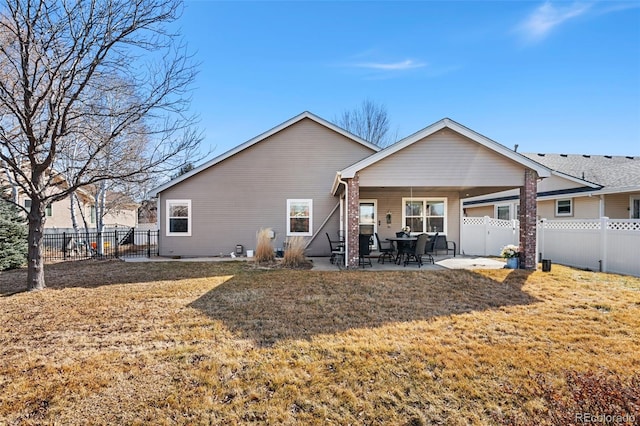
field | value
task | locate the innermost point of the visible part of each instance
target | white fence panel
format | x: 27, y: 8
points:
x: 610, y: 245
x: 502, y: 233
x: 623, y: 247
x: 483, y: 236
x: 570, y: 243
x: 474, y: 235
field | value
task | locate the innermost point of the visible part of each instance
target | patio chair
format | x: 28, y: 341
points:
x: 385, y: 251
x: 364, y: 250
x: 418, y: 250
x: 335, y: 247
x: 430, y: 250
x: 403, y: 247
x: 443, y: 244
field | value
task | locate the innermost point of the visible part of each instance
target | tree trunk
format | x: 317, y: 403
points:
x: 35, y: 267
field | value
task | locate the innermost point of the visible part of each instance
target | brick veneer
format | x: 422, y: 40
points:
x: 353, y: 213
x: 528, y: 218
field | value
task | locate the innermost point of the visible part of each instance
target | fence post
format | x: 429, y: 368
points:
x: 64, y: 246
x: 604, y: 222
x: 115, y: 236
x: 486, y: 235
x: 543, y: 223
x: 149, y: 243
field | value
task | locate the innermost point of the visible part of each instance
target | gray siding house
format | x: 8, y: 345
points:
x: 256, y: 185
x: 307, y: 177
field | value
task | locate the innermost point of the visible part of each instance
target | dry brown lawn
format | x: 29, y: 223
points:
x: 226, y: 343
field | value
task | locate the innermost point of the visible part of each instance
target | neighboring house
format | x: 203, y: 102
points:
x: 58, y: 213
x: 581, y: 187
x: 307, y: 177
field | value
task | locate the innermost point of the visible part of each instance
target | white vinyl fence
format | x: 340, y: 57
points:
x: 607, y: 245
x: 483, y: 236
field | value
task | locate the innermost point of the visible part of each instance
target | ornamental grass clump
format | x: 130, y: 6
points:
x: 264, y: 249
x: 294, y: 254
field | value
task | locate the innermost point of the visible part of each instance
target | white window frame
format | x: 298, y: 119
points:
x: 425, y: 201
x: 375, y: 219
x: 509, y: 206
x: 300, y: 234
x: 169, y: 203
x: 570, y: 200
x: 632, y: 199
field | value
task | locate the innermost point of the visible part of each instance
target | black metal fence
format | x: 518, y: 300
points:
x: 101, y: 245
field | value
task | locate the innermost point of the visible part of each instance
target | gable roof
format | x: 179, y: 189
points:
x: 259, y: 138
x: 611, y: 172
x: 350, y: 171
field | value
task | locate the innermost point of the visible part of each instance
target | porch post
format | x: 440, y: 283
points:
x: 353, y: 219
x: 528, y: 218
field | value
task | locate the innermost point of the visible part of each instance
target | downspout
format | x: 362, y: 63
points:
x: 601, y: 205
x: 346, y: 228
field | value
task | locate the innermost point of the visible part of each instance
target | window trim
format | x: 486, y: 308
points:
x: 169, y: 203
x: 570, y: 213
x: 373, y: 201
x: 288, y: 220
x: 425, y: 201
x: 632, y: 199
x: 497, y: 208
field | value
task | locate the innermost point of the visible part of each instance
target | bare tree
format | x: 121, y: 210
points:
x: 370, y: 121
x: 100, y: 72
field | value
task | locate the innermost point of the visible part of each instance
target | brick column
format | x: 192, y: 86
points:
x: 528, y: 219
x: 353, y: 219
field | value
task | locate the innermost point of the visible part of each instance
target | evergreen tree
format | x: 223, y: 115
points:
x: 13, y: 237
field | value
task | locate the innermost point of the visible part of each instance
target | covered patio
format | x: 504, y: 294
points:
x: 419, y: 182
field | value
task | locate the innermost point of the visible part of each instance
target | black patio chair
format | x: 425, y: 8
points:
x: 364, y: 250
x: 443, y: 244
x: 430, y: 250
x: 418, y: 250
x: 404, y: 248
x: 336, y: 248
x: 386, y: 250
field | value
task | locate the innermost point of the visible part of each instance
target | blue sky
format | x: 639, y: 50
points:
x: 554, y: 77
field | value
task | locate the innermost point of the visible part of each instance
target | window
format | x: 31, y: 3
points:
x: 48, y: 210
x: 179, y: 218
x: 299, y: 217
x: 425, y: 214
x: 564, y: 207
x: 635, y: 208
x: 503, y: 212
x: 367, y: 218
x: 92, y: 214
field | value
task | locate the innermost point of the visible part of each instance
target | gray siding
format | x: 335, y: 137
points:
x: 444, y: 159
x: 233, y: 199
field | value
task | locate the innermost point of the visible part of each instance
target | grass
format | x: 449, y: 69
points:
x: 226, y: 343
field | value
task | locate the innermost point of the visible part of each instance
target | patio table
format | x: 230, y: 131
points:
x: 397, y: 240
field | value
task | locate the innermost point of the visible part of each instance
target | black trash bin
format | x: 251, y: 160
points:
x: 546, y: 265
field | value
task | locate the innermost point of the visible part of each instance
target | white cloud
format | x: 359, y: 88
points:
x: 547, y: 17
x: 393, y: 66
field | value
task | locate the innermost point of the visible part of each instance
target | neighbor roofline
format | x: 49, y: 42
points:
x: 542, y: 170
x: 233, y: 151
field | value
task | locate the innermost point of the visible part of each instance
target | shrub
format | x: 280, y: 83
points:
x: 13, y: 237
x: 294, y: 254
x: 264, y: 249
